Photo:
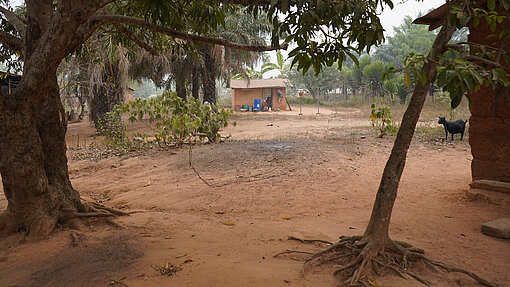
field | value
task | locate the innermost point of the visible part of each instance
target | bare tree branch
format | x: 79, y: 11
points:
x: 12, y: 42
x: 133, y: 38
x: 485, y: 61
x: 185, y: 36
x: 16, y: 21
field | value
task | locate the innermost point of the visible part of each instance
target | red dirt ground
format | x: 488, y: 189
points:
x: 310, y: 176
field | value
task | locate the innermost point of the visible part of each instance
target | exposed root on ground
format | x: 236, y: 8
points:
x: 356, y: 259
x: 108, y: 209
x: 292, y: 251
x: 310, y: 241
x: 92, y: 210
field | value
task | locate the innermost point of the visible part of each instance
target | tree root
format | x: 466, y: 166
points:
x: 292, y: 251
x: 93, y: 210
x: 310, y: 241
x: 108, y: 209
x: 354, y: 255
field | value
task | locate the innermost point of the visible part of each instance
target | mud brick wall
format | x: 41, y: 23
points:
x: 489, y: 124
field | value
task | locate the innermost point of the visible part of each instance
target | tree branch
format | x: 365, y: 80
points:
x: 16, y: 21
x: 485, y: 61
x: 133, y: 38
x: 12, y: 42
x: 246, y: 2
x: 118, y: 19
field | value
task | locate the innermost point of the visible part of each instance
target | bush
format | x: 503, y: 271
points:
x: 178, y: 121
x: 112, y: 128
x: 382, y: 118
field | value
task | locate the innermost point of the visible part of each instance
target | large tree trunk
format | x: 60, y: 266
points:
x: 376, y: 232
x: 180, y: 87
x: 107, y: 94
x: 209, y: 74
x: 33, y: 163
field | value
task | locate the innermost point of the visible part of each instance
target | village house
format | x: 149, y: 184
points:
x: 260, y: 94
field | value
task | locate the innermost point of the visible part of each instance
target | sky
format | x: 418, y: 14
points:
x: 390, y: 18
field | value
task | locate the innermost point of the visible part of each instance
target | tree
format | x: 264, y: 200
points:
x: 326, y: 80
x: 278, y: 66
x: 355, y: 77
x: 219, y: 61
x: 33, y: 164
x: 108, y: 78
x: 407, y: 39
x: 372, y: 78
x: 458, y: 75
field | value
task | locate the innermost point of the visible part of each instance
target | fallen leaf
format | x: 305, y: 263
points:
x: 286, y: 218
x: 284, y: 162
x: 229, y: 223
x: 294, y: 258
x: 180, y: 256
x: 143, y: 232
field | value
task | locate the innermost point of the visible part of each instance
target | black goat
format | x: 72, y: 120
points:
x: 455, y: 127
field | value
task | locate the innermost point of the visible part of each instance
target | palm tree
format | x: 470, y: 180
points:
x: 221, y: 62
x: 279, y: 66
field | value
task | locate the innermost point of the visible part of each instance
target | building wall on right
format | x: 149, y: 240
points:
x: 489, y: 124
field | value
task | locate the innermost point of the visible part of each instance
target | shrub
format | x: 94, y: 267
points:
x: 382, y: 118
x: 178, y: 121
x: 112, y: 128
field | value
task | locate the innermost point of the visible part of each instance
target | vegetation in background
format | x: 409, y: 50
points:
x: 113, y: 129
x: 382, y: 119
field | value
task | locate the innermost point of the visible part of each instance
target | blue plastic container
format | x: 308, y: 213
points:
x: 257, y: 104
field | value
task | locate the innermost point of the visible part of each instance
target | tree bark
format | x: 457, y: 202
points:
x: 195, y: 82
x: 180, y: 87
x: 33, y: 162
x: 377, y: 230
x: 209, y: 74
x: 34, y: 165
x: 107, y: 95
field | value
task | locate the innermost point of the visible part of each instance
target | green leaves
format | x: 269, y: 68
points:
x: 458, y: 73
x: 382, y: 119
x: 326, y: 32
x: 177, y: 121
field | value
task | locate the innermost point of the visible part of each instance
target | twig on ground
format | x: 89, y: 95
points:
x: 291, y: 251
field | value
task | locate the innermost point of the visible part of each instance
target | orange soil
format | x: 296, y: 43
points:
x: 310, y: 176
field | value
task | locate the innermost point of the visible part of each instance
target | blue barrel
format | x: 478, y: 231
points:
x: 257, y: 104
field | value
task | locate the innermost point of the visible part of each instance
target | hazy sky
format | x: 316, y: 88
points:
x: 390, y: 18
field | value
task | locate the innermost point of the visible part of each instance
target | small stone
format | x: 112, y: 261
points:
x: 497, y: 228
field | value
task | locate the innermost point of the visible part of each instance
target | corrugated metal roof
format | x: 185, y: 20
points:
x: 259, y: 83
x: 436, y: 17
